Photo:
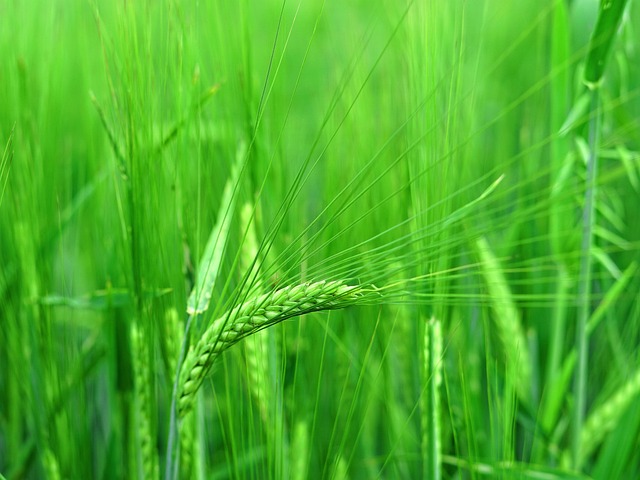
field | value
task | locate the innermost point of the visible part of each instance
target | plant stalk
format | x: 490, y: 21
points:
x: 584, y: 285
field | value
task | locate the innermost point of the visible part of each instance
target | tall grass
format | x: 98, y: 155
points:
x: 223, y: 226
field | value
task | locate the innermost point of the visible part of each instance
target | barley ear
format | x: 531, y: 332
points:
x: 606, y: 417
x: 254, y: 315
x: 142, y: 386
x: 173, y: 335
x: 506, y: 319
x: 50, y: 465
x: 172, y: 338
x: 340, y: 469
x: 300, y: 445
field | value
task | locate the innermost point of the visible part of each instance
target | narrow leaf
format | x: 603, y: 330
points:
x: 576, y: 114
x: 209, y: 265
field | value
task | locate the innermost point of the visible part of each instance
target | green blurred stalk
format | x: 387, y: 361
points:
x: 609, y: 18
x: 584, y: 285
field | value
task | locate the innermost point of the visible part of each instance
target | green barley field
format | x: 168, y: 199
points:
x: 320, y: 239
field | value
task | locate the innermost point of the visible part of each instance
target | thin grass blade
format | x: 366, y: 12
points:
x: 5, y: 165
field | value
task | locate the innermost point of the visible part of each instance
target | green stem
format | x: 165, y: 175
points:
x: 584, y: 286
x: 431, y: 402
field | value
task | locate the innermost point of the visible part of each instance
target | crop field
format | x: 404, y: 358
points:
x: 320, y: 239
